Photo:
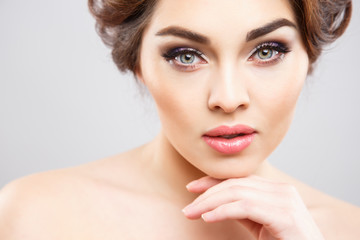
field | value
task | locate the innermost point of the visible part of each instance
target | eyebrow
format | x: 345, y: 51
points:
x: 183, y: 33
x: 253, y: 34
x: 268, y: 28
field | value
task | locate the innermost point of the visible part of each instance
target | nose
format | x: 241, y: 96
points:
x: 228, y: 92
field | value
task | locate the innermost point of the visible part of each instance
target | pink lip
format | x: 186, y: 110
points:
x: 215, y: 138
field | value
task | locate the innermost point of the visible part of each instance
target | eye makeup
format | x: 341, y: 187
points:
x: 172, y: 53
x: 190, y: 59
x: 268, y: 53
x: 185, y: 58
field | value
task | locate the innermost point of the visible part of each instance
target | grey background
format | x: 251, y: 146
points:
x: 63, y: 102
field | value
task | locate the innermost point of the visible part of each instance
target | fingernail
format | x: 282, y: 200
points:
x: 207, y: 217
x: 191, y: 184
x: 187, y: 208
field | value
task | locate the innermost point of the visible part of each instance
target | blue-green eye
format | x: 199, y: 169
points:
x: 266, y: 53
x: 186, y: 58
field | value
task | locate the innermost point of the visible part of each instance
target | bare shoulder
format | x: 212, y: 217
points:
x: 338, y: 219
x: 26, y: 203
x: 335, y: 218
x: 36, y: 205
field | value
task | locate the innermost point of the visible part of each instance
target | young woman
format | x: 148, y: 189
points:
x: 225, y: 77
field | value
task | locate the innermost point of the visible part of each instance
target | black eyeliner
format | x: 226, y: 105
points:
x: 273, y: 45
x: 174, y: 52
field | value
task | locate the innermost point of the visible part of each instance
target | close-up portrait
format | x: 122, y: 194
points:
x: 179, y: 119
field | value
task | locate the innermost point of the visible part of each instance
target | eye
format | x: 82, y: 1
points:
x: 268, y: 53
x: 185, y: 59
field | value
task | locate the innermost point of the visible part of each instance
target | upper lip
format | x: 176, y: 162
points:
x: 230, y: 130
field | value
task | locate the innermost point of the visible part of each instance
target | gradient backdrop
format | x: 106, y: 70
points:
x: 63, y: 102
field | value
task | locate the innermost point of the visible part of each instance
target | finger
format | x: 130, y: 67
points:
x: 251, y: 207
x: 239, y: 210
x: 253, y: 227
x: 195, y: 210
x: 254, y: 182
x: 202, y: 184
x: 277, y: 207
x: 225, y: 196
x: 276, y: 221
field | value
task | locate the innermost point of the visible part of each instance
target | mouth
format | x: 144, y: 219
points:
x: 230, y: 140
x: 231, y: 136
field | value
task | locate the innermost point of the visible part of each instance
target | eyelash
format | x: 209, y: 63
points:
x: 172, y: 55
x: 277, y: 49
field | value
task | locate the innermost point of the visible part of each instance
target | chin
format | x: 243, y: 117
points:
x: 232, y: 174
x: 227, y: 170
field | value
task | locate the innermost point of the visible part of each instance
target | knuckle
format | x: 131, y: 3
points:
x: 232, y: 181
x: 288, y: 189
x: 223, y: 210
x: 236, y: 192
x: 248, y: 206
x: 286, y: 218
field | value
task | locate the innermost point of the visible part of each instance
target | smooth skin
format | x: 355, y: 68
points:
x: 176, y: 186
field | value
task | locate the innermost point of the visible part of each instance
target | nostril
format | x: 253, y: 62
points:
x: 228, y: 98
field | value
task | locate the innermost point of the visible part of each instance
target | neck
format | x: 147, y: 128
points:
x: 173, y: 172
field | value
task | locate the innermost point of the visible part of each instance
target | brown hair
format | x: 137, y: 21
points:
x: 121, y: 23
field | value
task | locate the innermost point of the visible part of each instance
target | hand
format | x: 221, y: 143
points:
x: 268, y: 209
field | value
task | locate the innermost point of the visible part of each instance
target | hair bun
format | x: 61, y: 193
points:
x: 120, y: 24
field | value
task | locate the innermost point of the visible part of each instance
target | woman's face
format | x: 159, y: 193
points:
x: 236, y: 66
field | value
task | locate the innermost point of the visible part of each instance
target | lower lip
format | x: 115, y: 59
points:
x: 229, y: 146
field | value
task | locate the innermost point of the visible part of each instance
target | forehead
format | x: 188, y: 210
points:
x: 211, y: 17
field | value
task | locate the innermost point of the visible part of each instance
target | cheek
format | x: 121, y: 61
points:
x: 179, y: 100
x: 279, y: 95
x: 180, y: 97
x: 170, y: 105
